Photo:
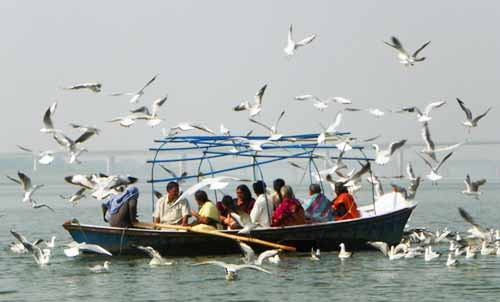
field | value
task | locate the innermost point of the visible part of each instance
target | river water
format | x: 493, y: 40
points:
x: 366, y: 276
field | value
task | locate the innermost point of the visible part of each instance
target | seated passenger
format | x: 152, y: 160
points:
x: 207, y: 217
x: 318, y: 208
x: 121, y: 210
x: 289, y: 211
x: 244, y: 198
x: 344, y: 206
x: 263, y: 208
x: 276, y: 196
x: 169, y: 210
x: 230, y: 207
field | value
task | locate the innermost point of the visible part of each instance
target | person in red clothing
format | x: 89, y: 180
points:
x: 244, y: 199
x: 344, y: 206
x: 289, y: 211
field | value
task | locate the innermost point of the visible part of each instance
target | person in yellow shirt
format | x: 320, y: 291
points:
x: 207, y: 217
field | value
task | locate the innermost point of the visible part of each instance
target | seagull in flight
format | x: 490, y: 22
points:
x: 84, y: 128
x: 404, y: 57
x: 41, y: 257
x: 232, y: 269
x: 292, y: 46
x: 250, y: 257
x: 76, y: 197
x: 157, y: 259
x: 137, y: 94
x: 424, y: 116
x: 272, y: 129
x: 472, y: 187
x: 433, y: 175
x: 47, y: 120
x: 95, y: 87
x: 72, y: 147
x: 44, y: 157
x: 186, y: 126
x: 471, y: 121
x: 430, y: 148
x: 322, y: 104
x: 152, y: 117
x: 74, y: 249
x: 255, y: 107
x: 36, y: 205
x: 28, y: 188
x: 331, y: 129
x: 382, y: 157
x: 180, y: 178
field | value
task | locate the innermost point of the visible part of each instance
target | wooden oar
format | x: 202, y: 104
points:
x: 216, y: 233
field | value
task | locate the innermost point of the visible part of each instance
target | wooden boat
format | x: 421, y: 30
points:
x: 387, y: 227
x: 386, y: 224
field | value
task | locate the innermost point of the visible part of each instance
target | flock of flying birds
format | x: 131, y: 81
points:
x: 101, y: 186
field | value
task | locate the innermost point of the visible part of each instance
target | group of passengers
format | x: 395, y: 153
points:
x: 280, y: 208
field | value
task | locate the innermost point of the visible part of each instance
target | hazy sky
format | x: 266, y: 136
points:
x: 210, y: 55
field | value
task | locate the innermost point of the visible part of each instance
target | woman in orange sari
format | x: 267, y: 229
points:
x: 344, y: 205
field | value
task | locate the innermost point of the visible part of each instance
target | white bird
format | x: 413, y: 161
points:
x: 315, y: 254
x: 157, y: 259
x: 73, y: 147
x: 74, y: 249
x: 331, y: 129
x: 472, y: 187
x: 451, y: 261
x: 75, y: 198
x: 377, y: 186
x: 95, y: 87
x: 224, y: 131
x: 25, y: 182
x: 471, y: 121
x: 110, y: 185
x: 186, y: 126
x: 272, y: 129
x: 343, y: 254
x: 276, y: 259
x: 395, y: 254
x: 292, y: 46
x: 430, y: 255
x: 52, y: 243
x: 430, y: 148
x: 381, y: 246
x: 137, y: 94
x: 404, y: 57
x: 42, y: 257
x: 485, y: 250
x: 125, y: 121
x: 321, y: 104
x: 372, y: 111
x: 255, y: 107
x: 250, y: 257
x: 469, y: 253
x: 151, y: 116
x: 232, y: 269
x: 252, y: 144
x: 433, y: 175
x: 382, y: 157
x: 100, y: 268
x: 180, y: 178
x: 43, y: 157
x: 246, y: 227
x: 36, y: 205
x: 424, y: 116
x: 410, y: 173
x: 47, y: 120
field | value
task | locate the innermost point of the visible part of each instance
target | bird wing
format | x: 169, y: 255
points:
x: 25, y: 149
x: 157, y: 104
x: 267, y: 254
x: 467, y: 111
x: 157, y: 194
x: 26, y: 181
x: 247, y: 251
x: 279, y: 119
x: 85, y: 136
x: 477, y: 118
x: 443, y: 160
x: 47, y: 120
x: 380, y: 245
x: 260, y: 123
x: 289, y: 37
x: 94, y: 248
x: 468, y: 183
x: 168, y: 170
x: 148, y: 250
x: 396, y: 45
x: 306, y: 97
x: 213, y: 262
x: 466, y: 216
x: 433, y: 105
x: 364, y: 169
x: 449, y: 147
x: 142, y: 109
x: 426, y: 135
x: 148, y: 83
x: 426, y: 161
x: 415, y: 54
x: 241, y: 106
x: 259, y: 95
x: 475, y: 184
x: 63, y: 141
x: 306, y: 41
x: 396, y: 145
x: 203, y: 128
x: 333, y: 127
x: 409, y: 171
x: 13, y: 179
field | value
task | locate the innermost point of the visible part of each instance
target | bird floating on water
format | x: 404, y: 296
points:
x: 104, y: 268
x: 232, y: 269
x: 156, y: 258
